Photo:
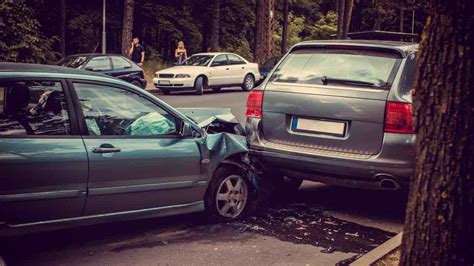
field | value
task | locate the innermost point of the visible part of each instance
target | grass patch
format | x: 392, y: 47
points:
x: 151, y: 66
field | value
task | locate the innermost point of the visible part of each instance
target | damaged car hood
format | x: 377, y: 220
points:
x: 214, y: 120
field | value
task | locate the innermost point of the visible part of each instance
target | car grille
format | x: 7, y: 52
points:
x: 166, y: 76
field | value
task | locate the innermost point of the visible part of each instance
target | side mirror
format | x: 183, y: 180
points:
x: 185, y: 130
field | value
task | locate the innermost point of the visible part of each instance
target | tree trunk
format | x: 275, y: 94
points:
x: 284, y: 37
x: 341, y: 5
x: 263, y: 30
x: 349, y: 4
x: 62, y: 26
x: 215, y: 21
x: 402, y: 15
x: 439, y: 224
x: 378, y: 19
x: 127, y: 26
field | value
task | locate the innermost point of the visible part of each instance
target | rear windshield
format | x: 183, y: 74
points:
x: 323, y: 66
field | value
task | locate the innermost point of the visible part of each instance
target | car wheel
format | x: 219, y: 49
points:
x: 229, y: 195
x: 249, y: 82
x: 137, y: 83
x: 216, y: 89
x: 199, y: 85
x: 165, y: 92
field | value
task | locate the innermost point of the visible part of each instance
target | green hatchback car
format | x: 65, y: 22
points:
x: 80, y: 148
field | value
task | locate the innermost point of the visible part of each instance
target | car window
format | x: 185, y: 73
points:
x: 101, y: 63
x: 220, y: 60
x: 120, y: 63
x: 312, y: 66
x: 110, y: 111
x: 235, y: 60
x: 33, y: 108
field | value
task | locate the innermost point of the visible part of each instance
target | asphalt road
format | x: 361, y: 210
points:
x: 320, y: 225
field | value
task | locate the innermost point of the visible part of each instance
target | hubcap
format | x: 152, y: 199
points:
x: 231, y: 196
x: 249, y: 82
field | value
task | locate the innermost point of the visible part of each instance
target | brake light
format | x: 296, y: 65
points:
x: 254, y: 104
x: 399, y: 118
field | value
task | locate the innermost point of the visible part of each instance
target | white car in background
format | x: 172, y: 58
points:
x: 208, y: 71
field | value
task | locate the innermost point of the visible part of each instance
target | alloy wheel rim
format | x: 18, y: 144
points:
x: 249, y: 83
x: 231, y: 197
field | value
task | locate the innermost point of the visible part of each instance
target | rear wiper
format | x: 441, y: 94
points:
x: 326, y: 80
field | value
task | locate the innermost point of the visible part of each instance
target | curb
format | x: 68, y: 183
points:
x: 379, y: 252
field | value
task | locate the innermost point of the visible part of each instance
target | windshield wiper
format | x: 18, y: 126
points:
x: 326, y: 80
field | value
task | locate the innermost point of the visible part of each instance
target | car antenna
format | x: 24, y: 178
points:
x: 95, y: 49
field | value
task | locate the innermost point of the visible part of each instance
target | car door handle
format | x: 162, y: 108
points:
x: 106, y: 148
x: 227, y: 68
x: 243, y: 67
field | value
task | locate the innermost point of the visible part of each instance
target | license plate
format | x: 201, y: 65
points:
x: 164, y: 82
x: 318, y: 126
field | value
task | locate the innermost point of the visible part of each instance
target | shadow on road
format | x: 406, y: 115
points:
x: 306, y: 218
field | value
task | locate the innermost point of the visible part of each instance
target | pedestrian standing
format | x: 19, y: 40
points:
x: 137, y: 52
x: 180, y: 53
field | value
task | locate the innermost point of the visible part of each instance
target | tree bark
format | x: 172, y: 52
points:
x: 63, y: 28
x: 402, y: 15
x: 284, y: 37
x: 341, y: 5
x: 349, y: 4
x: 263, y: 46
x: 127, y: 26
x: 215, y: 25
x: 439, y: 224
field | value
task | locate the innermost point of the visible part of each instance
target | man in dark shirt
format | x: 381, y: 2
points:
x: 137, y: 52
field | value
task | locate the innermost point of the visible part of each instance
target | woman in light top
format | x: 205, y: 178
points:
x: 180, y: 53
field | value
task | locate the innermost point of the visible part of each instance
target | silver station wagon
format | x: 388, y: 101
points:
x: 78, y: 148
x: 337, y: 112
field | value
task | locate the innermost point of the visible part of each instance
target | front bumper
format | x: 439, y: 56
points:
x: 395, y: 160
x: 174, y: 83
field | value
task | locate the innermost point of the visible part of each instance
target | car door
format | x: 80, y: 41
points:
x: 137, y: 160
x: 43, y: 161
x: 220, y: 71
x: 237, y: 69
x: 99, y: 64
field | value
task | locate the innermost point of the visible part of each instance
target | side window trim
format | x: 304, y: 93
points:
x: 82, y: 122
x: 73, y: 121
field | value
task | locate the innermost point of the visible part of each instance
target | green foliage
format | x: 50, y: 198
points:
x: 295, y: 26
x: 324, y: 28
x: 20, y: 38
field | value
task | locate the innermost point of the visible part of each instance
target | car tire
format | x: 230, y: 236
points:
x: 165, y: 92
x: 199, y: 85
x: 249, y: 82
x: 137, y: 83
x: 224, y: 201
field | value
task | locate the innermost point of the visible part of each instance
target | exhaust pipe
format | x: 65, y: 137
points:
x: 389, y: 184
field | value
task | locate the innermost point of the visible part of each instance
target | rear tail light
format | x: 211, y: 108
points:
x: 399, y: 118
x: 254, y: 104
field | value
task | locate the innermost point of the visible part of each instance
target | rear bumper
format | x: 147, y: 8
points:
x: 395, y: 160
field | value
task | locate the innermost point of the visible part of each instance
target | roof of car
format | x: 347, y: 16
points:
x: 213, y: 53
x: 15, y: 70
x: 37, y: 68
x: 402, y: 47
